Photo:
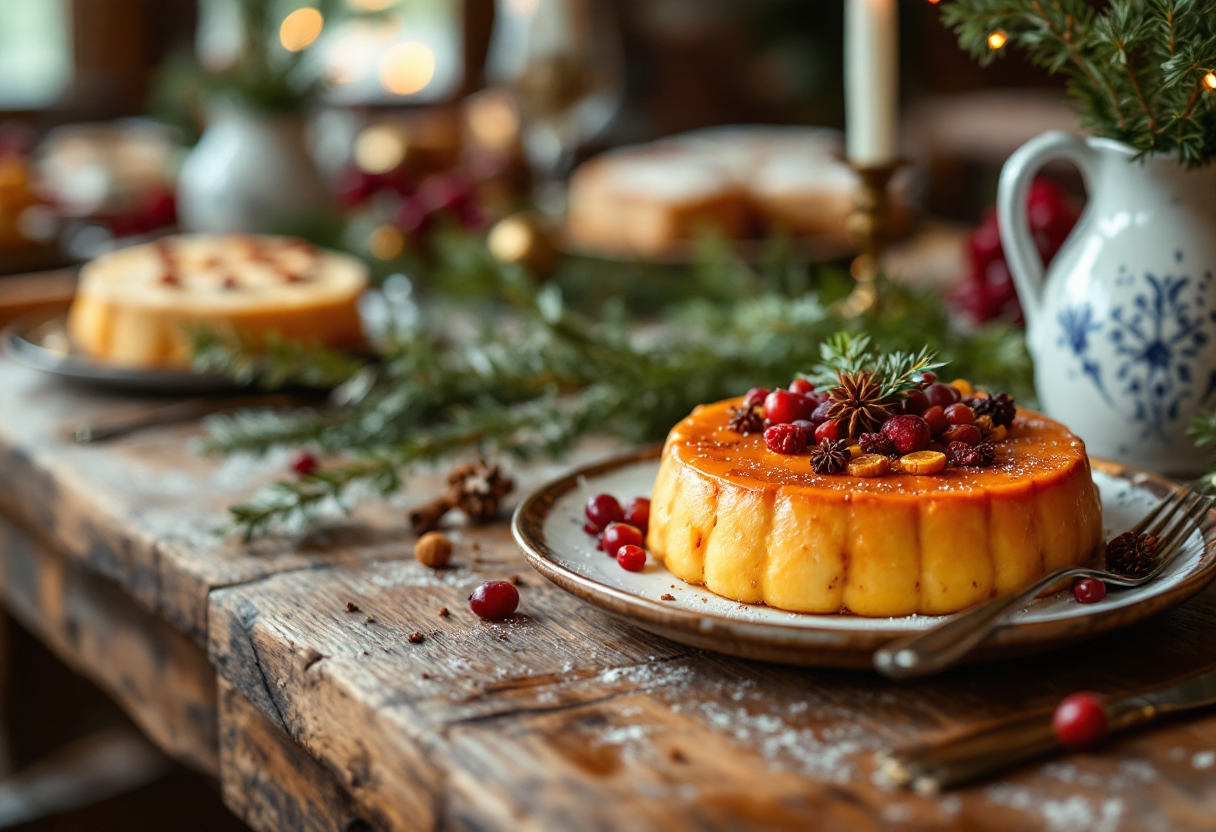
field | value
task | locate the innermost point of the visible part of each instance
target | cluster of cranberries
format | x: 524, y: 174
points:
x: 799, y: 417
x: 620, y: 531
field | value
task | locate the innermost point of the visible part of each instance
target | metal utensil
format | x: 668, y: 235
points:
x: 928, y: 767
x: 1172, y: 521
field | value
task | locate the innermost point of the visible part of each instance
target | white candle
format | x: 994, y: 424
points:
x: 871, y: 66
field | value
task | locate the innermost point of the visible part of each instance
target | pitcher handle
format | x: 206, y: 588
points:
x: 1021, y: 254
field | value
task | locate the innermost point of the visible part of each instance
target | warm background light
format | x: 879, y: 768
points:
x: 380, y: 148
x: 385, y: 242
x: 372, y: 5
x: 996, y: 40
x: 1210, y: 80
x: 407, y: 68
x: 300, y: 28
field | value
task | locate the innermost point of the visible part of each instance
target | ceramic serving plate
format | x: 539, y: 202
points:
x: 41, y: 341
x: 548, y: 526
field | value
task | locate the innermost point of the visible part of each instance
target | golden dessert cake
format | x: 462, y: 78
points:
x: 739, y: 181
x: 868, y: 487
x: 135, y: 306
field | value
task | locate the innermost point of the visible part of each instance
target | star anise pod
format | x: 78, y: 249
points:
x: 477, y: 489
x: 1132, y: 554
x: 1000, y: 406
x: 877, y: 443
x: 830, y: 457
x: 858, y: 404
x: 746, y: 420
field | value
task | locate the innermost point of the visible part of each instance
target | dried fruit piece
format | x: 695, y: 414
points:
x: 908, y: 433
x: 998, y: 433
x: 877, y: 443
x: 963, y: 387
x: 967, y: 434
x: 935, y: 418
x: 869, y: 465
x: 923, y: 462
x: 984, y: 424
x: 785, y: 439
x: 960, y: 414
x: 855, y: 451
x: 960, y: 453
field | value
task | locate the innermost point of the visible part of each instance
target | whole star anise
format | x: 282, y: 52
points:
x: 858, y: 405
x: 745, y: 419
x: 829, y: 457
x: 477, y: 489
x: 1000, y: 406
x: 1132, y: 554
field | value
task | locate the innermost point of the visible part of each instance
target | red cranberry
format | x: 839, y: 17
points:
x: 621, y: 534
x: 827, y: 431
x: 590, y: 529
x: 637, y: 512
x: 755, y: 397
x: 1088, y: 591
x: 935, y: 418
x: 1080, y: 720
x: 806, y: 425
x: 782, y: 407
x: 785, y: 439
x: 631, y: 558
x: 969, y: 434
x: 960, y: 414
x: 908, y: 433
x: 494, y: 599
x: 915, y: 403
x: 820, y: 414
x: 603, y: 509
x: 942, y: 395
x: 801, y: 386
x: 305, y: 464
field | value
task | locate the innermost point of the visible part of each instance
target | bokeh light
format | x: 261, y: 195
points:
x: 1210, y: 80
x: 380, y: 148
x: 996, y: 40
x: 300, y: 29
x: 407, y: 68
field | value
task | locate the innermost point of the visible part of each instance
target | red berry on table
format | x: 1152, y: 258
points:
x: 935, y: 418
x: 755, y: 397
x: 828, y: 431
x: 494, y: 599
x: 1080, y: 720
x: 603, y: 509
x: 942, y: 395
x: 782, y: 407
x: 968, y: 434
x: 960, y: 414
x: 915, y: 403
x: 785, y: 439
x: 631, y: 558
x: 1088, y: 591
x: 637, y: 512
x: 305, y: 464
x: 908, y: 433
x: 621, y: 534
x: 801, y: 386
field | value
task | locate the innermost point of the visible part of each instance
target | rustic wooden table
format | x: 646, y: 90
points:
x: 245, y: 662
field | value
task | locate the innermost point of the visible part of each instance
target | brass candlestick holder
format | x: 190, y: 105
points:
x: 868, y: 226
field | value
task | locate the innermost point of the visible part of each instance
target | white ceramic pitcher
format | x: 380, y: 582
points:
x: 1123, y: 328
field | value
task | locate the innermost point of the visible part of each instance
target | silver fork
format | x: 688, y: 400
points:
x: 1172, y: 521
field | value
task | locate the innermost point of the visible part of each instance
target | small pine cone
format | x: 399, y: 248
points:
x: 746, y: 420
x: 877, y: 443
x: 830, y: 457
x: 1000, y: 406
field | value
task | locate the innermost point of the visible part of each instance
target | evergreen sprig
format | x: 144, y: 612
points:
x: 847, y: 353
x: 543, y: 376
x: 1136, y: 68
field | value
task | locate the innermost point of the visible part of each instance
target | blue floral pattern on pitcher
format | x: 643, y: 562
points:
x: 1155, y: 340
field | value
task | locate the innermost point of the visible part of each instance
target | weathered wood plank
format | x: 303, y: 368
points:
x: 160, y: 678
x: 145, y: 510
x: 563, y: 718
x: 269, y: 781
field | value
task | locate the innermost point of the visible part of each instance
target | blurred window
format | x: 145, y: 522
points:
x: 35, y: 53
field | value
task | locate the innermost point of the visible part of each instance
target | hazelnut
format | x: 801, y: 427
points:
x: 433, y: 550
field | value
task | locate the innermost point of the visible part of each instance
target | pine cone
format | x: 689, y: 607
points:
x: 1000, y: 406
x: 830, y: 457
x: 1132, y: 554
x: 877, y: 443
x: 745, y: 420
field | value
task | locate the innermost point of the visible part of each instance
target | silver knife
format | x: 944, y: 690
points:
x: 974, y: 753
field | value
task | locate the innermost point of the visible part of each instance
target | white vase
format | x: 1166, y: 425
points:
x: 250, y: 172
x: 1123, y: 327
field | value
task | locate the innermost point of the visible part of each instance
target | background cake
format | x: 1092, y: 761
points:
x: 135, y: 306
